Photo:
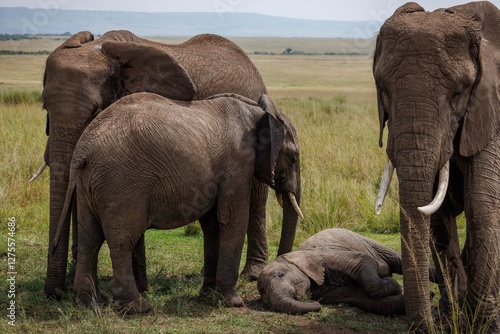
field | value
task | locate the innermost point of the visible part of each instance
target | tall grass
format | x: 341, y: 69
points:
x: 20, y: 97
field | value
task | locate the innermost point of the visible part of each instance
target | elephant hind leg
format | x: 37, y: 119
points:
x: 139, y: 265
x: 388, y: 305
x: 124, y: 286
x: 90, y: 240
x: 210, y: 227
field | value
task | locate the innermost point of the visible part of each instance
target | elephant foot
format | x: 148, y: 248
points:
x: 210, y: 294
x: 213, y: 295
x: 134, y: 307
x: 232, y: 299
x: 53, y: 293
x: 390, y: 287
x: 91, y: 299
x: 252, y: 270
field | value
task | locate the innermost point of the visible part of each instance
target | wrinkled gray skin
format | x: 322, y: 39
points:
x: 151, y: 162
x: 437, y: 76
x: 334, y: 266
x: 83, y: 76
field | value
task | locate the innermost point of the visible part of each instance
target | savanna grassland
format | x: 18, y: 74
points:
x: 331, y: 100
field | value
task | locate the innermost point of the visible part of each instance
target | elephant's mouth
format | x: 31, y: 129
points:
x: 293, y: 200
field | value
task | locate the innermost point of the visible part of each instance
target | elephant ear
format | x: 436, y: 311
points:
x: 382, y: 113
x: 482, y: 120
x: 270, y: 139
x: 77, y: 40
x: 145, y: 68
x: 310, y: 263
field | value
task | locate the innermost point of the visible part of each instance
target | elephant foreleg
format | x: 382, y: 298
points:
x: 482, y: 184
x: 257, y: 249
x: 139, y: 265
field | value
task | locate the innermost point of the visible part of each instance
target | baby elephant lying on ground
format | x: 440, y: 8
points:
x: 334, y: 266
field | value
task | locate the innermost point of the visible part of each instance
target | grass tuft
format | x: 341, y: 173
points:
x: 20, y: 97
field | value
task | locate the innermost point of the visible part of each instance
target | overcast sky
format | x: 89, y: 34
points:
x: 357, y: 10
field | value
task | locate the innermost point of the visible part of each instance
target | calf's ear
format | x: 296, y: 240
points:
x: 309, y: 264
x: 270, y: 138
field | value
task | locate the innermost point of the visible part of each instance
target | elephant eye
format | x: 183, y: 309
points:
x: 295, y: 157
x: 459, y: 89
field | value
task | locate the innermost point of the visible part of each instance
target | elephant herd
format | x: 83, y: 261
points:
x: 147, y: 135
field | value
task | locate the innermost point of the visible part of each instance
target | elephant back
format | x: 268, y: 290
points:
x: 338, y: 239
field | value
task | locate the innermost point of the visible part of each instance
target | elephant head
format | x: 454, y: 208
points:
x: 285, y: 283
x: 283, y: 174
x: 83, y: 76
x: 437, y: 77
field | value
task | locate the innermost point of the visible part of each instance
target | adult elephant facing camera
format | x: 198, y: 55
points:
x: 83, y: 76
x: 151, y: 162
x: 438, y: 81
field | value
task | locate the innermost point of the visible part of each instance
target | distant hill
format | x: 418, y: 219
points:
x: 20, y: 20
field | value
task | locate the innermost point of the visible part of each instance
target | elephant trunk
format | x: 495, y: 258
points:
x: 291, y: 212
x: 282, y: 302
x: 57, y: 259
x: 415, y: 234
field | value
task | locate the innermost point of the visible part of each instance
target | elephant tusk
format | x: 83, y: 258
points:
x: 444, y: 176
x: 279, y: 198
x: 38, y: 172
x: 384, y: 186
x: 295, y: 205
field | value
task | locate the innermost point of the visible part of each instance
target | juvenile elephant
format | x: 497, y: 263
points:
x: 83, y: 76
x: 151, y: 162
x: 437, y: 76
x: 334, y: 266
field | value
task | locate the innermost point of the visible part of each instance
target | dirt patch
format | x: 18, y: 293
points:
x: 322, y: 329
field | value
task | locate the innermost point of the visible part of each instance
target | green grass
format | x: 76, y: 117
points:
x: 20, y: 97
x: 331, y: 101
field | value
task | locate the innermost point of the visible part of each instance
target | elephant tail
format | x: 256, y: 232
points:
x: 66, y: 211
